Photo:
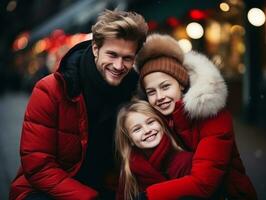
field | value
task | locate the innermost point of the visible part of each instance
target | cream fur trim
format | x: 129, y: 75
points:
x: 208, y: 92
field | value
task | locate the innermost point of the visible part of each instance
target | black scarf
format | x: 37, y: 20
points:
x: 102, y: 102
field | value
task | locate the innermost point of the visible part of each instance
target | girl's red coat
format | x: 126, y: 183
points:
x: 216, y: 162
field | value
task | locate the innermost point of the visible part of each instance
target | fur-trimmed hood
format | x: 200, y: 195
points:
x: 207, y: 92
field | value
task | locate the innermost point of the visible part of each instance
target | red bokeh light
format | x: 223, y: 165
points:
x: 172, y: 21
x: 152, y: 25
x: 198, y: 14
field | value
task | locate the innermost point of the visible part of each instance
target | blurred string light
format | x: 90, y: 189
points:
x: 256, y: 17
x: 11, y: 6
x: 79, y: 37
x: 42, y: 45
x: 224, y: 7
x: 21, y: 41
x: 59, y: 39
x: 185, y: 45
x: 225, y: 29
x: 237, y: 29
x: 194, y: 30
x: 213, y: 32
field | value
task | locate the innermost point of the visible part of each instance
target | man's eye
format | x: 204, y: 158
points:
x: 128, y: 59
x: 111, y: 55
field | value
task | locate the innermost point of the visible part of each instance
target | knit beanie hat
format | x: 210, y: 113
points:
x: 162, y: 53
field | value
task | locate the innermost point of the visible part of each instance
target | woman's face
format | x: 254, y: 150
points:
x: 145, y: 131
x: 162, y: 91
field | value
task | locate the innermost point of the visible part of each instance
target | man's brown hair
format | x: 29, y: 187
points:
x: 121, y: 25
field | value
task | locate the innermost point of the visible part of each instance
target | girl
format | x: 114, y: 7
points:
x: 149, y: 153
x: 189, y: 90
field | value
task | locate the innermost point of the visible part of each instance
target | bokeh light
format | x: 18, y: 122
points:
x: 185, y: 45
x: 256, y: 17
x: 194, y: 30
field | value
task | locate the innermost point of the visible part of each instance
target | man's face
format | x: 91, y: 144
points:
x: 115, y: 59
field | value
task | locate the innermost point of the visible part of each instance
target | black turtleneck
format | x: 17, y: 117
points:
x: 102, y: 102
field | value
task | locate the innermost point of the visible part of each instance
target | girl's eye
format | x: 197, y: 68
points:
x: 150, y: 92
x: 136, y: 129
x: 151, y: 121
x: 166, y: 86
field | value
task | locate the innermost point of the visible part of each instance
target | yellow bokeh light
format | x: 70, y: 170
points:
x: 213, y: 32
x: 185, y: 45
x: 224, y: 7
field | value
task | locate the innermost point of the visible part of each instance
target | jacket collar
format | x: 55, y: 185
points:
x: 68, y: 70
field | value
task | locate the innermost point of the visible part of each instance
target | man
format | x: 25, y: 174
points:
x: 66, y: 144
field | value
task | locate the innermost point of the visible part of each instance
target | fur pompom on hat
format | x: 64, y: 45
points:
x: 162, y: 53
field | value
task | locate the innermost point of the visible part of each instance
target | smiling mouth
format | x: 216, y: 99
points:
x: 116, y: 74
x: 149, y: 138
x: 164, y: 105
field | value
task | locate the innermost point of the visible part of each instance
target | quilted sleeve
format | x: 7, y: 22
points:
x: 38, y: 149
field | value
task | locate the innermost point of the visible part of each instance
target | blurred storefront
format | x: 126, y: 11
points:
x: 44, y: 55
x: 232, y: 38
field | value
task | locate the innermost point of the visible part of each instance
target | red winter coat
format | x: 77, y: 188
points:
x: 55, y: 130
x: 207, y: 129
x: 165, y: 163
x: 50, y: 160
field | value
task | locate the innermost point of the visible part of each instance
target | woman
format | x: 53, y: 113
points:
x: 148, y: 152
x: 189, y: 90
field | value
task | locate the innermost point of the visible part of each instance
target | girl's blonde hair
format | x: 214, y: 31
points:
x: 124, y: 145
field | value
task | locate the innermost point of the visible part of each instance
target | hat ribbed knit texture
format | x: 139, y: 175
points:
x: 166, y: 65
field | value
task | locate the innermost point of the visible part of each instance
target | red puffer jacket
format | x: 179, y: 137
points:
x: 216, y: 163
x: 207, y: 129
x: 50, y: 160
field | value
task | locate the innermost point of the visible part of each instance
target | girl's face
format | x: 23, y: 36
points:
x: 145, y: 131
x: 162, y: 91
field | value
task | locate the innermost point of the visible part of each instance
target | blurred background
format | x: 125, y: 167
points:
x: 35, y: 34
